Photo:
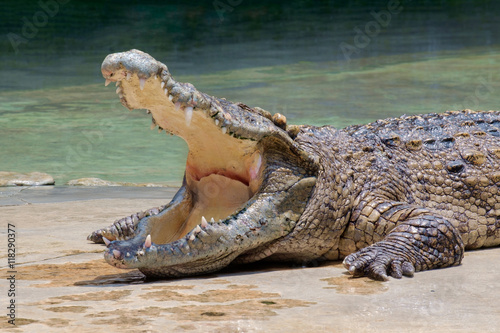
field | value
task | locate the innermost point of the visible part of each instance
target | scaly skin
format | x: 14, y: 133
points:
x: 391, y: 198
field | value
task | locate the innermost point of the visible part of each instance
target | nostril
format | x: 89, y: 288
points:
x: 106, y: 73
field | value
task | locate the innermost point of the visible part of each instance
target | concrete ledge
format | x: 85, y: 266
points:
x: 11, y: 196
x: 62, y: 282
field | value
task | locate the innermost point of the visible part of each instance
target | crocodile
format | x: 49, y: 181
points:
x: 390, y: 198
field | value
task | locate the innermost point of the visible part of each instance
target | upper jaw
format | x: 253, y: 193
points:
x: 141, y: 78
x: 222, y: 136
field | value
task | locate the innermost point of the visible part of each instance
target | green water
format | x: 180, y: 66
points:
x: 56, y: 116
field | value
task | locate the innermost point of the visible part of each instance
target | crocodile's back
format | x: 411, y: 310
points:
x: 447, y: 162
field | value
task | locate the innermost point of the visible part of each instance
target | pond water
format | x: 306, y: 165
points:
x: 316, y: 62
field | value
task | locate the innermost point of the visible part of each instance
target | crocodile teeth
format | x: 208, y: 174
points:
x: 147, y: 243
x: 118, y: 90
x: 117, y: 83
x: 192, y: 237
x: 197, y: 230
x: 177, y: 106
x: 255, y: 167
x: 165, y: 91
x: 107, y: 82
x: 117, y: 254
x: 129, y: 75
x: 142, y: 82
x: 162, y: 84
x: 188, y: 113
x: 204, y: 222
x: 212, y: 220
x: 170, y: 97
x: 224, y: 130
x: 106, y: 241
x: 217, y: 122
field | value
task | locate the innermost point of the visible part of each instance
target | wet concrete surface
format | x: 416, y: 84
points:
x: 20, y: 195
x: 63, y: 283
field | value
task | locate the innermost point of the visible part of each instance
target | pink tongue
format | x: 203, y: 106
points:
x: 197, y: 175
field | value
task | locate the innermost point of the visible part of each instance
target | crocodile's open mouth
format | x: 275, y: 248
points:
x: 222, y: 171
x: 246, y: 183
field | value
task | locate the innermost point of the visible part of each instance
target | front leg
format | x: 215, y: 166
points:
x: 420, y: 240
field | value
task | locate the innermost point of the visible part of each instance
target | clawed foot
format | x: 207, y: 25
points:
x: 378, y: 263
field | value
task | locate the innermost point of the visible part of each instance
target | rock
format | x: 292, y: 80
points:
x: 25, y: 179
x: 92, y: 182
x: 102, y: 182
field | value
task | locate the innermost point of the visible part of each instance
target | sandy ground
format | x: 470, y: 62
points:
x: 63, y: 284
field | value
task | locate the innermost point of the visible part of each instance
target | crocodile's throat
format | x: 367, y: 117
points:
x: 222, y: 171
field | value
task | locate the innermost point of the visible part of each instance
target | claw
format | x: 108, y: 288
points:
x: 106, y: 241
x: 379, y: 274
x: 408, y: 269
